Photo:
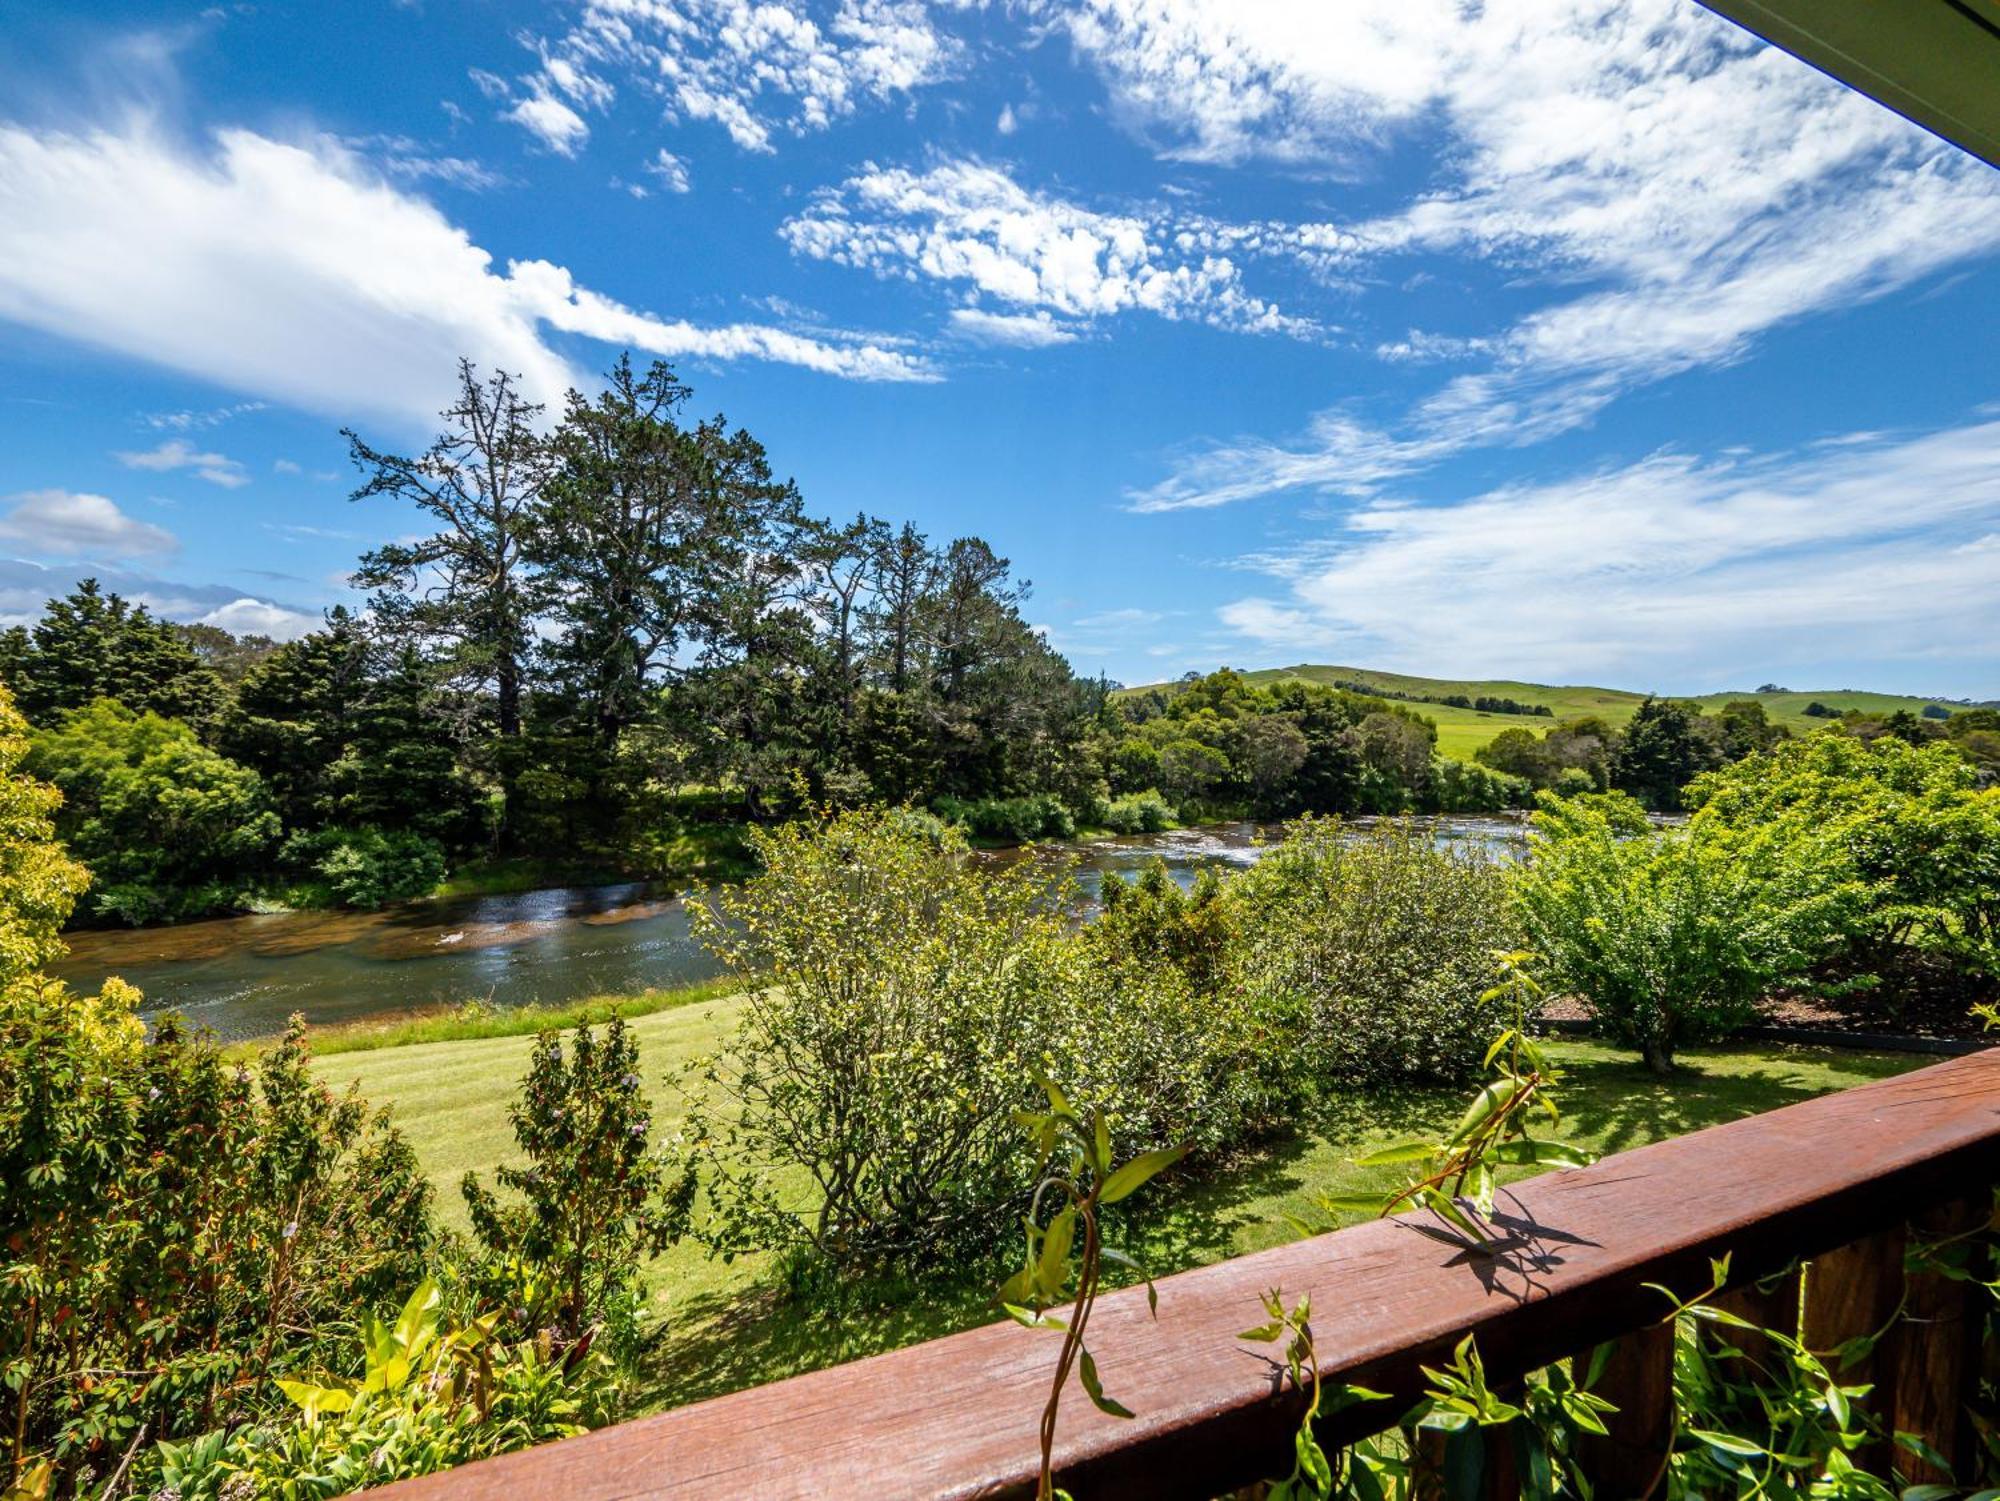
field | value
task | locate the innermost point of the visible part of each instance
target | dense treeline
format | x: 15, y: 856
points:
x: 621, y: 638
x: 618, y: 640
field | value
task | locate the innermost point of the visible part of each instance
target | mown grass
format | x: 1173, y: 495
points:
x: 722, y: 1327
x: 476, y: 1021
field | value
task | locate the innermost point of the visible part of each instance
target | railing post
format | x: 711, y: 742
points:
x: 1851, y: 1293
x: 1935, y: 1353
x: 1629, y: 1460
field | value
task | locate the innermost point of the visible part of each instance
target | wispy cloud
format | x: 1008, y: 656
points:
x: 178, y: 453
x: 1869, y: 550
x: 970, y: 223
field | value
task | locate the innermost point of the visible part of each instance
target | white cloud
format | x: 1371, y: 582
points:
x: 287, y: 466
x: 1017, y: 330
x: 1867, y: 550
x: 671, y: 170
x: 756, y: 69
x: 1673, y: 186
x: 299, y: 274
x: 72, y: 524
x: 259, y: 617
x: 967, y: 222
x: 191, y: 421
x: 178, y: 453
x: 554, y: 123
x: 548, y: 291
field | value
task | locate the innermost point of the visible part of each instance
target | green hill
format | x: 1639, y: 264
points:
x: 1462, y: 731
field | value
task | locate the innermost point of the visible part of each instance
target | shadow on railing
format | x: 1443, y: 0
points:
x: 1837, y: 1179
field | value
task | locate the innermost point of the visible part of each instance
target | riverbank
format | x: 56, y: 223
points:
x: 721, y: 1327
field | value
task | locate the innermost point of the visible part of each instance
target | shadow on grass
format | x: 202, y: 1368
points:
x: 1618, y: 1104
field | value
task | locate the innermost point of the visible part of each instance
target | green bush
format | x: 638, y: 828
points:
x: 1462, y: 787
x: 899, y: 996
x: 1672, y: 935
x: 1014, y: 820
x: 1139, y: 813
x: 1911, y: 822
x: 428, y: 1394
x: 1363, y: 957
x: 167, y: 826
x: 368, y: 867
x: 176, y: 1231
x: 590, y: 1200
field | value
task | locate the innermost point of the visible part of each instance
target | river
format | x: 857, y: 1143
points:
x: 243, y: 976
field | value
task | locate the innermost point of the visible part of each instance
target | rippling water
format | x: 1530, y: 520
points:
x: 243, y: 976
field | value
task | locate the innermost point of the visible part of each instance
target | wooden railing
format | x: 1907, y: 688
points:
x: 1837, y: 1179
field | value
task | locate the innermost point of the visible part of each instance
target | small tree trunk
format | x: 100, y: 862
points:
x: 1659, y: 1058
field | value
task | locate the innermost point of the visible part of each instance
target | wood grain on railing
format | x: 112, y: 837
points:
x: 956, y: 1417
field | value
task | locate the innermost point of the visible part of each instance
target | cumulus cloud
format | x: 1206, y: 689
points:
x: 246, y: 616
x: 670, y: 171
x: 758, y: 70
x: 297, y: 272
x: 970, y: 223
x: 178, y: 453
x: 1568, y: 163
x: 1869, y: 549
x: 75, y: 524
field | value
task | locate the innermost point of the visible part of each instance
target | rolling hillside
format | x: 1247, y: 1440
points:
x: 1462, y: 731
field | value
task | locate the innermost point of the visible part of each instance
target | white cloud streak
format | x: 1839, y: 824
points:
x: 1868, y: 549
x: 297, y: 273
x: 178, y: 453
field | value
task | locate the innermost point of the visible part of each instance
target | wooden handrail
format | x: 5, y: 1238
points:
x: 956, y: 1417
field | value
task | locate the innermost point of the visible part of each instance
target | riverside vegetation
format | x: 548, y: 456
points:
x: 618, y: 638
x: 224, y: 1278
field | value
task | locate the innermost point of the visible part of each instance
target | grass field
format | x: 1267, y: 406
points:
x: 727, y: 1326
x: 1463, y: 731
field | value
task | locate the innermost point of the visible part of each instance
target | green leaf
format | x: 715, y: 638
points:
x: 1492, y: 1098
x: 1135, y: 1173
x: 1405, y: 1151
x: 1086, y: 1369
x: 1052, y: 1266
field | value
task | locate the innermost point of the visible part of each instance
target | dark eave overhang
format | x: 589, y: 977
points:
x: 1936, y: 62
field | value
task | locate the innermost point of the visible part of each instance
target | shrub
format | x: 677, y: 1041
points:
x: 175, y: 1231
x: 1014, y: 820
x: 591, y: 1200
x: 1909, y: 821
x: 1152, y: 1030
x: 429, y: 1394
x: 368, y: 867
x: 1369, y: 953
x: 1139, y: 813
x: 165, y: 824
x: 1672, y: 935
x: 898, y: 999
x: 1462, y: 787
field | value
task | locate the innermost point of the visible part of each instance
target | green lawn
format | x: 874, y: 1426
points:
x: 725, y: 1327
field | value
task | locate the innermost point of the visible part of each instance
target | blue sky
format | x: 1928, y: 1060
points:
x: 1573, y: 341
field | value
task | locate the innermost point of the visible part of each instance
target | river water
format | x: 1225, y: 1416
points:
x: 243, y: 976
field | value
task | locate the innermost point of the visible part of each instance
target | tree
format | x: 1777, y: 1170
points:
x: 39, y: 882
x: 294, y: 715
x: 230, y: 657
x: 1673, y: 935
x: 91, y: 645
x: 906, y: 570
x: 462, y: 594
x: 169, y: 827
x: 1273, y: 748
x: 1662, y: 751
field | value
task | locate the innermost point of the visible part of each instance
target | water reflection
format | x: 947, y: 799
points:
x: 243, y: 976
